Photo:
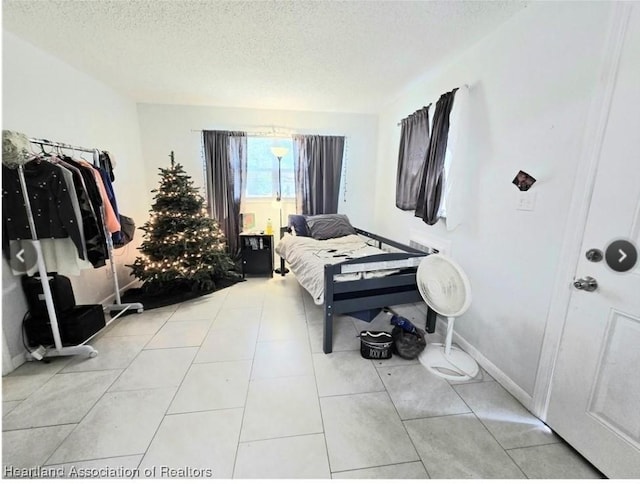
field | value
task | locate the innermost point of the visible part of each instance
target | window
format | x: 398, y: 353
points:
x: 262, y: 168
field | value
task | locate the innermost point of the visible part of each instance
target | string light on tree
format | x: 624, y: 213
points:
x: 182, y: 246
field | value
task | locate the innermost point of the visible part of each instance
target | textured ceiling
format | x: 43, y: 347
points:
x: 349, y: 56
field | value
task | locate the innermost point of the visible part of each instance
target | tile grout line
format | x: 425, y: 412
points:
x: 246, y: 396
x: 281, y: 437
x: 386, y: 465
x: 99, y: 458
x: 45, y: 383
x: 22, y: 429
x: 122, y: 370
x: 84, y: 416
x: 315, y: 379
x: 356, y: 393
x: 534, y: 445
x: 419, y: 418
x: 144, y: 454
x: 386, y: 391
x: 491, y: 433
x: 413, y: 444
x: 381, y: 466
x: 132, y: 359
x: 59, y: 372
x: 412, y: 419
x: 202, y: 411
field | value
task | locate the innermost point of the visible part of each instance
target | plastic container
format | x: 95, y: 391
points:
x: 269, y: 230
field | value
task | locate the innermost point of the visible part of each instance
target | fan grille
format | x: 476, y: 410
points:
x: 443, y: 285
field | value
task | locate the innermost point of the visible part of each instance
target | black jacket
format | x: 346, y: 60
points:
x: 50, y: 204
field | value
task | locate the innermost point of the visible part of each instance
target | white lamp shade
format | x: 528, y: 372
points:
x: 279, y: 151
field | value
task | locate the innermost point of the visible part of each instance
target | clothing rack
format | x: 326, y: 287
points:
x: 83, y: 348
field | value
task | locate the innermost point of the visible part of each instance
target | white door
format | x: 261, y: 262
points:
x: 595, y: 393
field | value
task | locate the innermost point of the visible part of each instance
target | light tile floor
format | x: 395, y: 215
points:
x: 235, y: 384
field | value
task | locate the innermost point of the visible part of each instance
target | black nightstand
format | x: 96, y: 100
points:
x: 257, y: 254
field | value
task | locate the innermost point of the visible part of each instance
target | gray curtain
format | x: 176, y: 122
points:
x: 318, y: 167
x: 432, y: 184
x: 226, y: 167
x: 414, y: 142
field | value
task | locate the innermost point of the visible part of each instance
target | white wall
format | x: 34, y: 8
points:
x: 46, y: 98
x: 530, y: 87
x: 172, y: 127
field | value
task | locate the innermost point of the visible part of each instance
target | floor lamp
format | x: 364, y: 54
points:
x: 280, y: 152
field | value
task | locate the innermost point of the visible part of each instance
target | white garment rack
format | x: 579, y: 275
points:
x: 83, y: 348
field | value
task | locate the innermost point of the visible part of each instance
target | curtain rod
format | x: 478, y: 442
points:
x: 273, y: 128
x: 268, y: 134
x: 46, y: 142
x: 399, y: 123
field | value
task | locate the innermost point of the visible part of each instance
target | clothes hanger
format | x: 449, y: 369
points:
x: 57, y: 156
x: 44, y: 154
x: 66, y: 157
x: 32, y: 150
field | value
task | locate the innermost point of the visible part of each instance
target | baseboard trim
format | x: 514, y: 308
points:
x: 109, y: 299
x: 498, y: 375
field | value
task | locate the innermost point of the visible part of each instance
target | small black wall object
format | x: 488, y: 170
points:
x: 523, y: 181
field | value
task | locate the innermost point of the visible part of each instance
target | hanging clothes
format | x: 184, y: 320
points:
x: 68, y: 180
x: 59, y: 255
x: 111, y: 221
x: 53, y: 212
x: 111, y: 195
x: 73, y: 204
x: 107, y: 163
x: 95, y: 244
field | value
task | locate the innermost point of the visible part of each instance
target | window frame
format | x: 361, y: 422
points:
x: 275, y: 141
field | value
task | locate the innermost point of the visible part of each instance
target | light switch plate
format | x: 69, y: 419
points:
x: 526, y: 201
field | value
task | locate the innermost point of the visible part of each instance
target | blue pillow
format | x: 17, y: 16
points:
x: 299, y: 224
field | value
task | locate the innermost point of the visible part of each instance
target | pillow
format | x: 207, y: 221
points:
x: 299, y: 225
x: 329, y: 226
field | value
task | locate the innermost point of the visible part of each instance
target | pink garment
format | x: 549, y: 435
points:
x: 110, y: 219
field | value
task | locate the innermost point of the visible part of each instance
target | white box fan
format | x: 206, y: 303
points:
x: 445, y: 288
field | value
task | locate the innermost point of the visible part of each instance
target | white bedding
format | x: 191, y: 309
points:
x: 307, y: 257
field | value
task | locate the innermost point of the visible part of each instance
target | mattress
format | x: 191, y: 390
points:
x: 307, y: 257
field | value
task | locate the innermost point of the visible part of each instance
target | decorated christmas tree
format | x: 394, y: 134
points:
x: 182, y: 247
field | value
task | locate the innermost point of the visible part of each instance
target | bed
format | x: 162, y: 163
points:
x: 352, y: 273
